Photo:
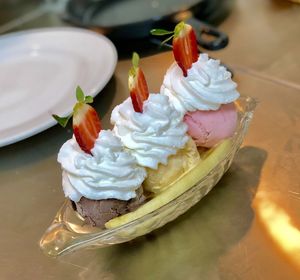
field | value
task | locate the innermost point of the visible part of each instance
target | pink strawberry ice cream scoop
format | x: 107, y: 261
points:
x: 207, y: 128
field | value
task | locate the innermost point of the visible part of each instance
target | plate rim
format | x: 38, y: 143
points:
x: 98, y: 85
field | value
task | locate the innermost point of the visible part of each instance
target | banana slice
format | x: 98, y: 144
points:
x: 178, y: 187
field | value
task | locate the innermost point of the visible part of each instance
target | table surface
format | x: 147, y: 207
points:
x: 248, y: 227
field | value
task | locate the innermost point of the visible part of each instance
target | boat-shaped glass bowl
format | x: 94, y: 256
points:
x: 69, y: 232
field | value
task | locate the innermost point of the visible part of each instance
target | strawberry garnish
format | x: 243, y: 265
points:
x: 86, y: 126
x: 86, y: 122
x: 185, y: 49
x: 137, y: 85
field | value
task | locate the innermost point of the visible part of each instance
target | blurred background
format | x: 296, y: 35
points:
x: 127, y: 23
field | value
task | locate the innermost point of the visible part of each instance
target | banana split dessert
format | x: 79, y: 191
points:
x: 160, y: 143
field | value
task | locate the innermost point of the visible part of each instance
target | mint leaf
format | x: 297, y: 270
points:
x: 160, y: 32
x: 79, y: 94
x: 62, y: 120
x: 88, y: 99
x: 135, y: 60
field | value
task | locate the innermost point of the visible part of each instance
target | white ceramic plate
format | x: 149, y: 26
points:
x: 39, y: 72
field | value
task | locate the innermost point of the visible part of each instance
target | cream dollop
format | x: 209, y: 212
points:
x: 207, y: 86
x: 151, y: 136
x: 110, y: 173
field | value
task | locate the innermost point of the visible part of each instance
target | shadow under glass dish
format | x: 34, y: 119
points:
x: 133, y: 19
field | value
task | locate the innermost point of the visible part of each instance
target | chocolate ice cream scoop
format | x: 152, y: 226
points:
x: 98, y: 212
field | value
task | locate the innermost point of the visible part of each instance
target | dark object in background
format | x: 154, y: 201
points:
x: 128, y: 22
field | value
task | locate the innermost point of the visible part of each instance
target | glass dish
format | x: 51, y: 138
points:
x: 69, y: 232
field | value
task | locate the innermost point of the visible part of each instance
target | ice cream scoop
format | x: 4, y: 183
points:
x: 154, y: 137
x: 104, y: 184
x: 180, y: 163
x: 205, y: 97
x: 207, y: 128
x: 99, y: 176
x: 98, y: 212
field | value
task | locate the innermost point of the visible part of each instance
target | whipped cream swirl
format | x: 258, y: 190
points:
x: 110, y: 173
x: 207, y: 86
x: 151, y: 136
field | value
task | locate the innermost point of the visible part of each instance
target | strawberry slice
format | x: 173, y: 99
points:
x: 86, y: 122
x: 185, y: 47
x: 137, y: 85
x: 86, y: 126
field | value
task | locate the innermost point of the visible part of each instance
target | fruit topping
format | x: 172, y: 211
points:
x: 137, y: 85
x: 185, y: 49
x: 86, y: 122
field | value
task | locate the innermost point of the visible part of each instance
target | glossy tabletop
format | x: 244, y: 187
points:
x: 247, y: 227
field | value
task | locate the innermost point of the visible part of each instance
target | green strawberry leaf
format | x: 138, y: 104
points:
x: 165, y: 41
x: 160, y: 32
x: 79, y: 94
x: 62, y: 120
x: 81, y: 98
x: 135, y: 60
x: 88, y: 99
